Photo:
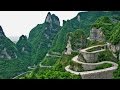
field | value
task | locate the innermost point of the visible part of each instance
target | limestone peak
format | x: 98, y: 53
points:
x: 1, y: 32
x: 52, y: 19
x: 48, y: 18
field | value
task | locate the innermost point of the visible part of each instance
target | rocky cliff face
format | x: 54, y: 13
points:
x: 48, y: 18
x: 52, y: 25
x: 96, y: 34
x: 114, y: 48
x: 7, y: 47
x: 52, y: 19
x: 1, y: 32
x: 78, y: 18
x: 68, y: 47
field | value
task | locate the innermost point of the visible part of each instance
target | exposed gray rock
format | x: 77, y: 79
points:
x: 1, y: 32
x: 96, y: 34
x: 7, y: 47
x: 4, y: 54
x: 47, y: 36
x: 23, y: 50
x: 68, y: 47
x: 55, y: 20
x: 15, y: 55
x: 52, y: 19
x: 114, y: 48
x: 78, y: 18
x: 48, y: 18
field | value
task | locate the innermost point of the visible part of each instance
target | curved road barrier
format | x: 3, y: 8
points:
x: 92, y: 56
x: 106, y: 73
x: 89, y: 66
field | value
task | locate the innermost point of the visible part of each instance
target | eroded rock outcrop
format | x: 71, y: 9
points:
x: 68, y: 47
x: 4, y: 54
x: 96, y: 34
x: 52, y: 19
x: 1, y: 32
x: 48, y: 18
x: 115, y: 49
x: 41, y: 37
x: 78, y: 18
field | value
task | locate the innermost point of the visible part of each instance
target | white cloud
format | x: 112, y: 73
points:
x: 16, y: 23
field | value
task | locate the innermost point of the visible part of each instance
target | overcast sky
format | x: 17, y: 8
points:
x: 16, y: 23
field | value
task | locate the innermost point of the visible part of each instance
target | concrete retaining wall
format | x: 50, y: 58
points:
x: 106, y: 73
x: 98, y: 75
x: 86, y: 66
x: 95, y: 74
x: 91, y: 57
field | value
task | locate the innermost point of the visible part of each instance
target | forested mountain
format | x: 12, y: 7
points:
x: 42, y: 35
x: 79, y: 29
x: 24, y: 46
x: 84, y: 21
x: 7, y: 47
x: 12, y: 60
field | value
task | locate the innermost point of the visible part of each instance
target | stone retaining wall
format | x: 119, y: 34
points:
x: 106, y: 73
x: 91, y: 57
x: 89, y: 66
x: 98, y: 75
x: 96, y: 34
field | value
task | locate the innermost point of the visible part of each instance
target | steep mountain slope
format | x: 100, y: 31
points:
x: 88, y: 18
x: 84, y: 20
x: 42, y: 35
x: 7, y: 47
x: 48, y: 41
x: 12, y: 62
x: 106, y: 26
x: 60, y: 40
x: 78, y: 39
x: 24, y: 46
